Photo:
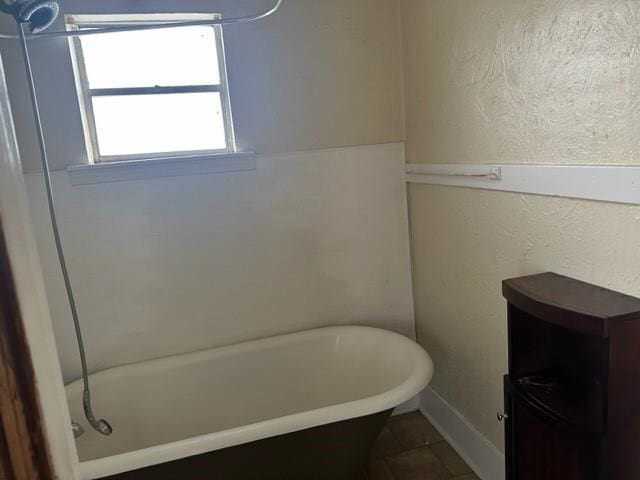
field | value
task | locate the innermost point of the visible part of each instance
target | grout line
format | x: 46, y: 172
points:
x: 445, y: 465
x: 384, y: 458
x: 393, y: 475
x: 416, y: 448
x: 428, y: 445
x: 393, y: 434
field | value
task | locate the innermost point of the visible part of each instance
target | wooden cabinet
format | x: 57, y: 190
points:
x: 572, y: 394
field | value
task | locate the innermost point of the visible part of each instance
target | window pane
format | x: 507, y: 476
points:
x: 135, y: 124
x: 177, y: 56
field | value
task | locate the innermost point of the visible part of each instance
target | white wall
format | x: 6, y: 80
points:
x: 319, y: 74
x: 176, y: 264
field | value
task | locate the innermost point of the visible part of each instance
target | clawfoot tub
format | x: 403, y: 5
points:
x: 303, y: 406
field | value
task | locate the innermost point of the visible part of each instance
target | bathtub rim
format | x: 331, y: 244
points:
x: 416, y: 381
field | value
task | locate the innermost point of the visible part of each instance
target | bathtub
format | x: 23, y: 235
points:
x: 307, y: 405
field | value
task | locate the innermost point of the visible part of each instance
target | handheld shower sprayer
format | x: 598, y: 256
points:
x: 100, y: 426
x: 39, y: 15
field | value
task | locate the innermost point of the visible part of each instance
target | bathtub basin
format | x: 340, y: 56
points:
x: 167, y: 411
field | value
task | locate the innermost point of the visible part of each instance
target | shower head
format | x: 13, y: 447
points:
x: 39, y: 14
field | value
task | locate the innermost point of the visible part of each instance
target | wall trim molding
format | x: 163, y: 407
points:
x: 479, y: 453
x: 606, y: 183
x: 141, y: 169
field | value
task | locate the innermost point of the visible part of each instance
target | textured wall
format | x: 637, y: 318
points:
x: 534, y: 81
x: 523, y: 81
x: 178, y: 264
x: 320, y: 74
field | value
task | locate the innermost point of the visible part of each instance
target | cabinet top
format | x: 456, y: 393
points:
x: 570, y: 303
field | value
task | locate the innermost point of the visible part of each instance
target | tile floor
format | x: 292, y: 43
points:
x: 409, y: 448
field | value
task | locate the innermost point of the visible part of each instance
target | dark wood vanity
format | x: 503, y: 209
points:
x: 572, y: 395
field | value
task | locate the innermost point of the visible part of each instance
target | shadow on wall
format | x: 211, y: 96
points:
x: 177, y: 264
x: 316, y: 75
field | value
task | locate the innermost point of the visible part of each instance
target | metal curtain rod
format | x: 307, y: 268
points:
x: 147, y: 26
x: 460, y: 171
x: 493, y: 174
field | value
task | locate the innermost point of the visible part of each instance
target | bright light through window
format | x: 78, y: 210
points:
x: 152, y: 93
x: 138, y: 124
x: 179, y: 56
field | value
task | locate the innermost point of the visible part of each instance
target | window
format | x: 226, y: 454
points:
x: 153, y: 93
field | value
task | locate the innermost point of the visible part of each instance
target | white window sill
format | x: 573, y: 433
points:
x: 139, y: 169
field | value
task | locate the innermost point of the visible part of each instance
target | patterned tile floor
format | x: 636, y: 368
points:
x: 409, y: 448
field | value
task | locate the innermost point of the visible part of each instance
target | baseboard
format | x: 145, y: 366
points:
x: 479, y: 453
x: 408, y: 406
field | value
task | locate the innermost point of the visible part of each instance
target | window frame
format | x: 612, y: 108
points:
x: 86, y: 94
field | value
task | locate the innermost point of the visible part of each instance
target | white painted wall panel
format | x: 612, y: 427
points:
x: 170, y: 265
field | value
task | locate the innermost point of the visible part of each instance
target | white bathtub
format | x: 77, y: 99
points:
x: 168, y: 409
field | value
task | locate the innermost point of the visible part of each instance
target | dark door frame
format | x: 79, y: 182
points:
x: 24, y: 453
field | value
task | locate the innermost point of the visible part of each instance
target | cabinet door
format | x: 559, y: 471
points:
x: 538, y: 447
x: 508, y: 431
